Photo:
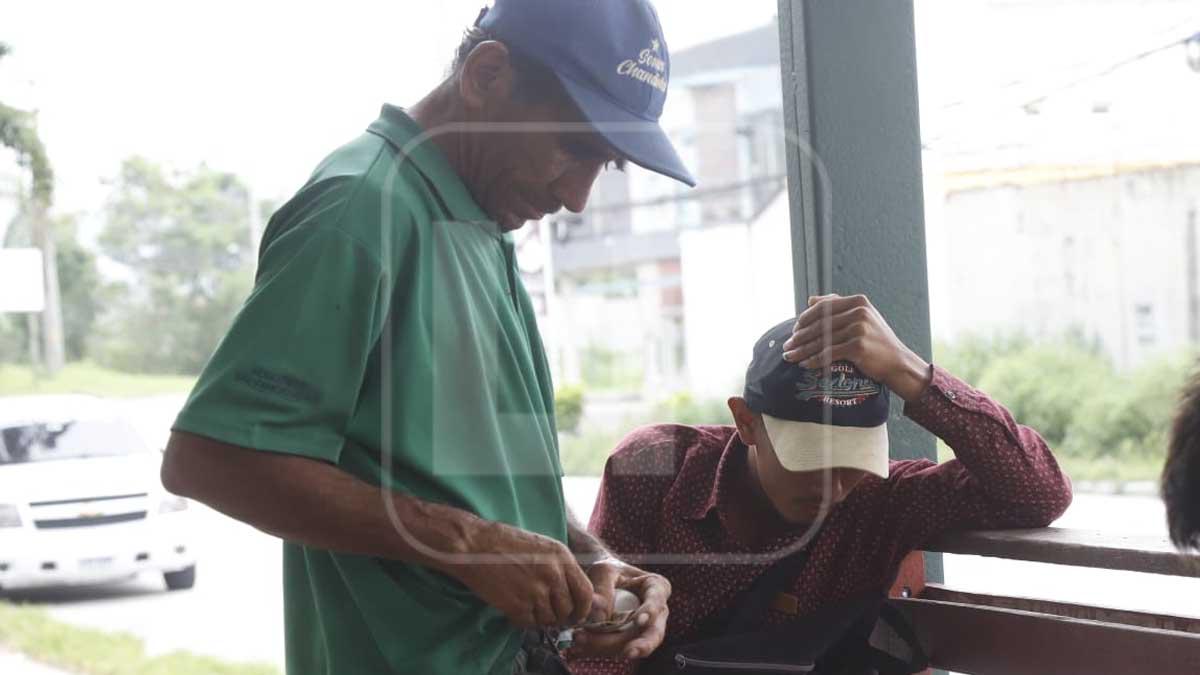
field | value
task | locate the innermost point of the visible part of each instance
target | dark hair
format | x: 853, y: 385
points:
x: 535, y: 83
x: 1181, y: 475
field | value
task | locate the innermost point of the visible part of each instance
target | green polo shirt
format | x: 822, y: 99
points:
x: 388, y: 333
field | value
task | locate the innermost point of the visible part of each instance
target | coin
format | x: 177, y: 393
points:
x: 625, y: 605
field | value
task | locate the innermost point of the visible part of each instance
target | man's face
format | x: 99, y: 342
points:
x: 799, y: 496
x: 527, y: 174
x: 524, y: 163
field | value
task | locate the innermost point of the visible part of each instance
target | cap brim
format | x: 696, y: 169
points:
x: 809, y: 446
x: 642, y: 142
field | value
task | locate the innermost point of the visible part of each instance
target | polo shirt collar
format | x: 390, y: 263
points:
x: 414, y: 144
x: 730, y: 499
x: 704, y: 502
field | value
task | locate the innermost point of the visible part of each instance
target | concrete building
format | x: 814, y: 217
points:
x: 1110, y: 251
x: 1062, y: 179
x: 638, y: 291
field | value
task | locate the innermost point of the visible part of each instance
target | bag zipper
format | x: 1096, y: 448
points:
x: 682, y: 662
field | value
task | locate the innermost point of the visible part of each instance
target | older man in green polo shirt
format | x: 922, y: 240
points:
x: 383, y: 403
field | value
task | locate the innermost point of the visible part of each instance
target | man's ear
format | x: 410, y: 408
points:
x: 487, y: 75
x: 743, y: 419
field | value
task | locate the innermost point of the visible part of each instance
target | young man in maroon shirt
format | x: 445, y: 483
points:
x: 707, y: 506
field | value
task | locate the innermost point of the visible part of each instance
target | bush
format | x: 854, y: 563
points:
x: 584, y: 453
x: 969, y: 357
x: 682, y: 408
x: 611, y: 370
x: 1129, y: 420
x: 14, y: 339
x: 1044, y: 385
x: 1102, y: 425
x: 568, y: 407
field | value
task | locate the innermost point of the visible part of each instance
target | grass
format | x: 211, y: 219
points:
x: 86, y: 651
x: 88, y: 378
x: 1123, y: 470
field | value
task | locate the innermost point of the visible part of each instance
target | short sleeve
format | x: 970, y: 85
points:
x: 287, y: 376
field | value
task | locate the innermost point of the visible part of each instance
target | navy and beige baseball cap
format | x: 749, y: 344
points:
x: 815, y: 419
x: 612, y: 60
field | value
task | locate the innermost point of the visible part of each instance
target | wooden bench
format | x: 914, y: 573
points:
x: 984, y: 634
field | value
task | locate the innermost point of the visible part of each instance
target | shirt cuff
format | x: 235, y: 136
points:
x: 944, y: 393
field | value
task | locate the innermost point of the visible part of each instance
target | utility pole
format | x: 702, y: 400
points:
x: 53, y: 349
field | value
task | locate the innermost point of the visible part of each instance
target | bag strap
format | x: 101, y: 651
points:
x: 750, y: 612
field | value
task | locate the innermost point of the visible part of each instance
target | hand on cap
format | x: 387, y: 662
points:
x: 849, y: 328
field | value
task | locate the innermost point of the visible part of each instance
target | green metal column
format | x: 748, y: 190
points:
x: 854, y: 171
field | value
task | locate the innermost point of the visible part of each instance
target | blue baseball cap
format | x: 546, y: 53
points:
x: 612, y: 60
x: 817, y: 419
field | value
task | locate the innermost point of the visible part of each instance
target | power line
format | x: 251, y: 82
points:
x: 1105, y: 72
x: 1022, y: 81
x: 1112, y: 68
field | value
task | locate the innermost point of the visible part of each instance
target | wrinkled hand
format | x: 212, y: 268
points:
x: 540, y: 584
x: 650, y: 619
x: 840, y: 328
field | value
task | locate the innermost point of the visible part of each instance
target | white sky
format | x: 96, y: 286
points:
x: 263, y: 88
x: 266, y: 88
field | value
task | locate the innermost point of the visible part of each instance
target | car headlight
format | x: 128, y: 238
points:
x: 9, y: 516
x: 172, y: 504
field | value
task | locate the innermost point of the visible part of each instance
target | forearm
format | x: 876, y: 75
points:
x: 1009, y: 462
x: 586, y: 547
x: 313, y: 503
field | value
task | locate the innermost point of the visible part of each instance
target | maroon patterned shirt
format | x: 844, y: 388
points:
x: 671, y: 489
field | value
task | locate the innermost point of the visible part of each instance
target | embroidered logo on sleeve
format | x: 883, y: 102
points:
x: 279, y: 384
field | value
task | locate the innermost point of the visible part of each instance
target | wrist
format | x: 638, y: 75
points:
x: 912, y: 376
x: 429, y: 533
x: 590, y: 559
x: 584, y: 544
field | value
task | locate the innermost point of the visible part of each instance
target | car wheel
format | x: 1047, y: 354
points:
x: 181, y: 580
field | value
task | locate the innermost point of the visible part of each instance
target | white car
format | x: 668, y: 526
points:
x: 81, y: 501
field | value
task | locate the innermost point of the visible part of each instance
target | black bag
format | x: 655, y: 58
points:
x: 864, y: 636
x: 539, y: 654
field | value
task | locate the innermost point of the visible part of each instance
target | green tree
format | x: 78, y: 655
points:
x: 80, y: 286
x: 18, y: 131
x: 185, y: 238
